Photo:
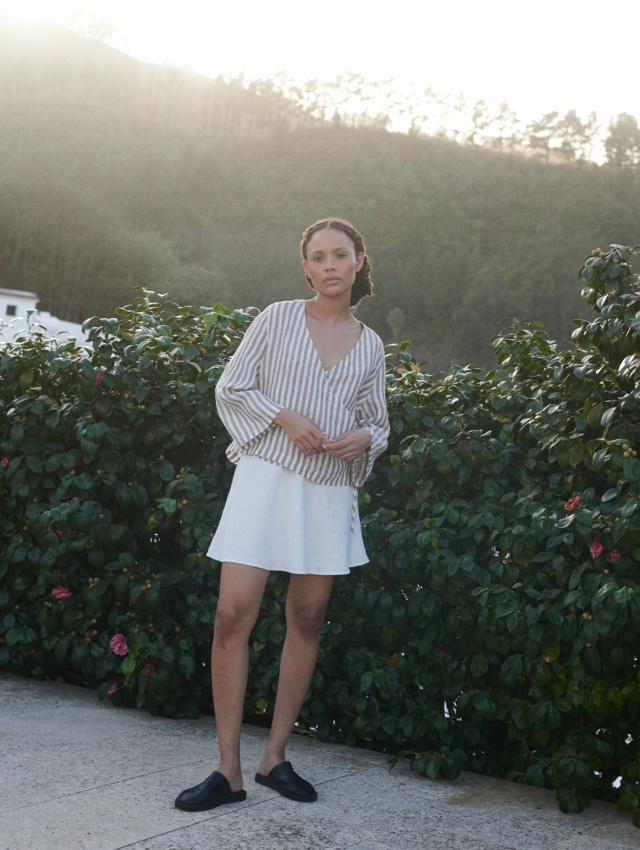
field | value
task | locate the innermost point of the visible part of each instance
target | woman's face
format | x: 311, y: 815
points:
x: 332, y: 262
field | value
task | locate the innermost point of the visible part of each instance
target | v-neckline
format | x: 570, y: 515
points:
x: 315, y: 350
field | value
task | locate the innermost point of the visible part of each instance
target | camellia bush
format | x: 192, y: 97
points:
x: 496, y: 626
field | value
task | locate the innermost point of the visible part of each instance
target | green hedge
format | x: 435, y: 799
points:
x: 495, y: 628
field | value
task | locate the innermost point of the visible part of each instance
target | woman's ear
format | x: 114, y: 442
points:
x: 359, y: 261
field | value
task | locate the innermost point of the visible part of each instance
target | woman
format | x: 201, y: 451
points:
x: 303, y: 399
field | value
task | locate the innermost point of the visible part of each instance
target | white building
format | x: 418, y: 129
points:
x: 14, y: 306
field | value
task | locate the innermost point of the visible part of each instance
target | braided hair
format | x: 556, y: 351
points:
x: 363, y: 285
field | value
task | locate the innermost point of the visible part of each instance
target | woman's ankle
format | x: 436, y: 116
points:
x: 270, y: 759
x: 233, y: 774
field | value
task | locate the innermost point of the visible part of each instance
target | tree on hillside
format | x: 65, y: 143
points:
x: 623, y: 142
x: 480, y: 121
x: 504, y: 129
x: 100, y: 26
x: 542, y: 132
x: 576, y: 136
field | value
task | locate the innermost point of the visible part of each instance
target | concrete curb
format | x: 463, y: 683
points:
x: 77, y: 774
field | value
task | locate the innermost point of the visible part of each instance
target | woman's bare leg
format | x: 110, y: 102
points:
x: 307, y: 600
x: 241, y: 591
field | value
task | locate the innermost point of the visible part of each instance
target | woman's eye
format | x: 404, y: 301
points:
x: 341, y: 256
x: 317, y: 259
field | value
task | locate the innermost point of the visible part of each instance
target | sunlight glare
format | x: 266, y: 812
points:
x: 25, y: 10
x: 532, y: 57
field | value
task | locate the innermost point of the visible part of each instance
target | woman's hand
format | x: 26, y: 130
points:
x: 304, y: 433
x: 350, y: 445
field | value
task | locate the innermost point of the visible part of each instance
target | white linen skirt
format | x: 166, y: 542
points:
x: 275, y: 519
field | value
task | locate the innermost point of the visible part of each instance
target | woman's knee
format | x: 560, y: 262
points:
x: 307, y: 620
x: 233, y: 619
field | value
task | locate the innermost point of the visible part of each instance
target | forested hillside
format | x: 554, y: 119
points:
x: 114, y: 173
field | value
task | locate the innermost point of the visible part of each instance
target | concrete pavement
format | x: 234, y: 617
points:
x: 77, y: 774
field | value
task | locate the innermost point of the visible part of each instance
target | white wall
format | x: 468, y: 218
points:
x: 14, y: 305
x: 14, y: 302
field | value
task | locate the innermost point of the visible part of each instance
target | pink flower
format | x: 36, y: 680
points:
x: 148, y: 671
x: 614, y: 555
x: 88, y: 635
x: 61, y: 592
x: 118, y: 644
x: 596, y: 547
x: 111, y: 688
x: 97, y: 380
x: 58, y: 532
x: 545, y: 657
x: 441, y: 653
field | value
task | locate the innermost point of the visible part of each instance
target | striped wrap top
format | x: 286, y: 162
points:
x: 276, y: 366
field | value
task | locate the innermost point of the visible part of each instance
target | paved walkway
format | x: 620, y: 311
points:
x: 77, y: 774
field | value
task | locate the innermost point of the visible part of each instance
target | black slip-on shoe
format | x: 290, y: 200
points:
x: 214, y: 791
x: 286, y: 782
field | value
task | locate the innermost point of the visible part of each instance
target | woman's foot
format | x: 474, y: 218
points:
x: 214, y: 791
x: 283, y: 779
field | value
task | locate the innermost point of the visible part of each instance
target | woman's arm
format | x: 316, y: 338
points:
x: 364, y: 444
x: 245, y: 410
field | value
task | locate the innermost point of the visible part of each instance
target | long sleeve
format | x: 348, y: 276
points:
x: 245, y: 410
x: 371, y: 413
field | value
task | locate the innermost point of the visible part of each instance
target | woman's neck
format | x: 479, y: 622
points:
x: 332, y: 310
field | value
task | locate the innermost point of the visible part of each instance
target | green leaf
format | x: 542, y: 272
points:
x: 16, y: 435
x: 599, y: 458
x: 61, y: 648
x: 388, y: 725
x: 140, y: 496
x: 26, y: 378
x: 479, y: 665
x: 621, y: 595
x: 168, y: 655
x: 128, y: 666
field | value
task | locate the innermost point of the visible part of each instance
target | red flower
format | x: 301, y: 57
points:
x: 441, y: 653
x: 573, y: 504
x: 61, y: 592
x: 545, y: 657
x: 58, y: 533
x: 148, y: 671
x: 5, y: 461
x: 112, y: 688
x: 97, y: 380
x: 88, y: 635
x: 614, y: 555
x: 596, y: 547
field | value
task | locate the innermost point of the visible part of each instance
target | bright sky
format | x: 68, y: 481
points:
x: 539, y: 56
